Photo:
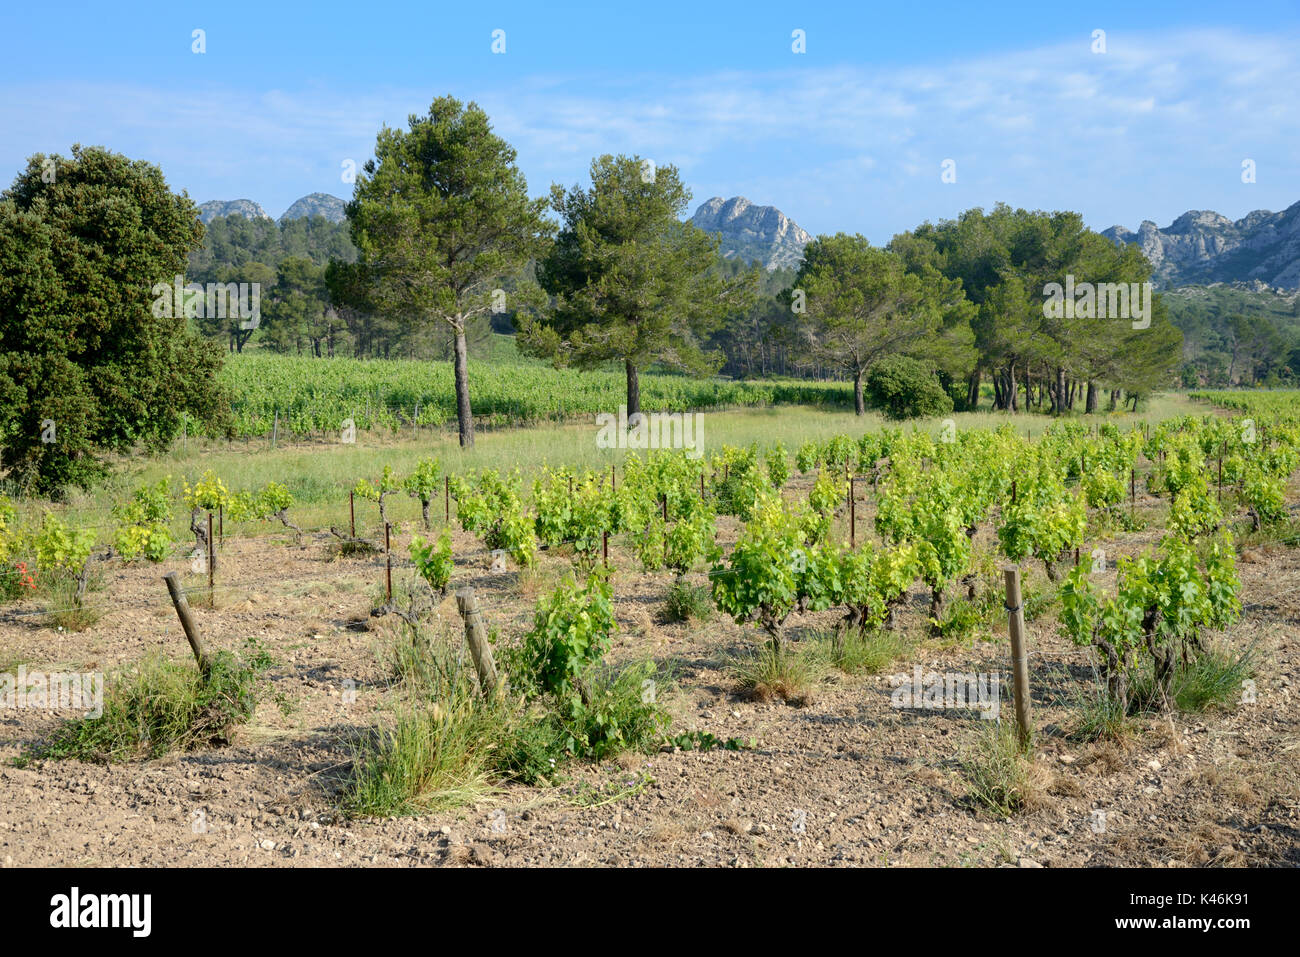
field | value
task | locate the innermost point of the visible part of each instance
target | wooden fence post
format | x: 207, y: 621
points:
x: 352, y: 511
x: 187, y: 621
x: 446, y: 499
x: 388, y: 563
x: 1019, y: 655
x: 476, y: 636
x: 212, y: 565
x: 853, y: 514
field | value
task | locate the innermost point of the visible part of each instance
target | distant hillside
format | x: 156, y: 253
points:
x: 755, y: 234
x: 237, y: 246
x: 230, y: 207
x: 1236, y: 333
x: 316, y: 204
x: 1202, y: 246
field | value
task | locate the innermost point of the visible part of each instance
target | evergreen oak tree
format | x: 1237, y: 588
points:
x: 89, y: 361
x: 858, y: 303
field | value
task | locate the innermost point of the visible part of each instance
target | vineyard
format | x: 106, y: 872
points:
x: 306, y: 396
x: 687, y: 659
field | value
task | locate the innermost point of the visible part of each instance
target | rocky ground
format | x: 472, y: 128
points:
x: 844, y: 780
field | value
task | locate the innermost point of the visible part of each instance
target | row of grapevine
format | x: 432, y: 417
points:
x: 312, y: 396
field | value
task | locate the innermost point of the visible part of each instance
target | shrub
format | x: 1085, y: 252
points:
x: 162, y: 706
x: 572, y: 630
x: 808, y: 457
x: 687, y: 602
x: 778, y: 465
x: 600, y: 712
x: 145, y: 528
x: 493, y: 510
x: 905, y: 388
x: 423, y: 484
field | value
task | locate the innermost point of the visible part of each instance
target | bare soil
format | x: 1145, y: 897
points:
x: 845, y: 780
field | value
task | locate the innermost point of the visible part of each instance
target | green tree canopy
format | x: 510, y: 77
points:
x: 630, y: 281
x: 1005, y: 260
x: 860, y: 303
x: 90, y: 358
x: 440, y: 217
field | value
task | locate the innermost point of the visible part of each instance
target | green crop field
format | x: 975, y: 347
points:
x: 316, y: 395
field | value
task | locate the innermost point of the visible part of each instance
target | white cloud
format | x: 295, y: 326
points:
x: 1145, y: 130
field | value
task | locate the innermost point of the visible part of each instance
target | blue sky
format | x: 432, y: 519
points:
x: 850, y: 135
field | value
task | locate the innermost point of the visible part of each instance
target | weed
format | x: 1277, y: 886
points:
x: 998, y: 772
x: 161, y: 706
x: 687, y: 602
x: 776, y: 673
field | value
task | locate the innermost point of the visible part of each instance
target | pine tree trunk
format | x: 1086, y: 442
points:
x: 464, y: 415
x: 1093, y: 392
x: 859, y: 407
x: 633, y: 393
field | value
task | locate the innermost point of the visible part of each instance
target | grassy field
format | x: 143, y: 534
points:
x: 303, y: 396
x: 319, y: 473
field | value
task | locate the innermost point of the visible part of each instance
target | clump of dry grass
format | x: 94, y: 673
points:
x: 533, y: 581
x: 1206, y: 845
x: 775, y: 673
x: 1003, y: 779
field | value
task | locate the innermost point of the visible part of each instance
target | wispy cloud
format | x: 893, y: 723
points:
x: 1158, y: 123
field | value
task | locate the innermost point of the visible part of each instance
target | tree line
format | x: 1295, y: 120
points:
x: 443, y: 241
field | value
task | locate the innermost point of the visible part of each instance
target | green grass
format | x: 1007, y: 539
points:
x: 1099, y: 715
x: 445, y: 744
x: 864, y: 653
x: 783, y: 673
x: 426, y: 758
x: 687, y: 602
x: 161, y: 706
x: 1212, y: 679
x: 319, y: 475
x: 438, y: 748
x: 307, y: 395
x: 66, y: 610
x: 998, y: 771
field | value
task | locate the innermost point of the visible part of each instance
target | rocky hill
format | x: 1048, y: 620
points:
x: 760, y: 234
x: 1202, y: 246
x: 230, y: 207
x: 316, y: 204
